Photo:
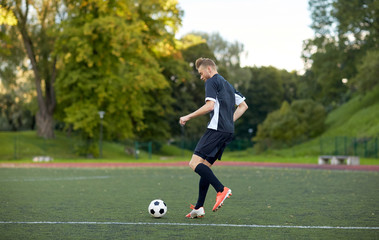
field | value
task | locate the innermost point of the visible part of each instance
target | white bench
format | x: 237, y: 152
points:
x: 42, y: 159
x: 338, y: 160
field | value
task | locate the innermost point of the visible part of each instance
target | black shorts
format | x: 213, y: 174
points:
x: 212, y: 144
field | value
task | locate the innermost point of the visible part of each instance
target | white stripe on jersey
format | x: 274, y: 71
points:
x: 211, y: 99
x: 214, y: 121
x: 213, y: 124
x: 239, y: 99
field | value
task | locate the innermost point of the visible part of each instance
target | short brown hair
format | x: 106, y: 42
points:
x: 206, y: 62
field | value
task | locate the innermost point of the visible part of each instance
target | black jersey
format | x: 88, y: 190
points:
x: 226, y: 98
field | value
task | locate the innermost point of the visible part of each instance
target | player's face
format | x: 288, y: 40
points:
x: 205, y: 73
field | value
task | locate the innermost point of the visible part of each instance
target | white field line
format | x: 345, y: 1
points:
x: 53, y: 179
x: 197, y: 225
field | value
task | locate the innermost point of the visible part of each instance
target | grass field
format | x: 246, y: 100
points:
x: 267, y: 203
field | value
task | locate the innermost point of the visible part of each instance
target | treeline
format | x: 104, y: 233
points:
x: 341, y: 60
x: 62, y: 62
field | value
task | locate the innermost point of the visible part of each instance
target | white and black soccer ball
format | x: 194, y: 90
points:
x: 157, y: 208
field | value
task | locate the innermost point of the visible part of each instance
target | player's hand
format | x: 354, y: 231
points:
x: 183, y: 120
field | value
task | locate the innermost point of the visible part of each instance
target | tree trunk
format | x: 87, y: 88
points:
x: 46, y: 99
x: 45, y: 125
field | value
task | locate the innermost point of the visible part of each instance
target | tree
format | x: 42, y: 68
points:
x: 307, y: 87
x: 310, y: 114
x: 36, y: 24
x: 357, y: 23
x: 16, y: 88
x: 6, y: 15
x: 368, y: 72
x: 328, y: 71
x: 264, y: 95
x: 17, y: 103
x: 344, y: 31
x: 161, y: 117
x: 278, y: 129
x: 228, y: 57
x: 110, y: 63
x: 290, y: 85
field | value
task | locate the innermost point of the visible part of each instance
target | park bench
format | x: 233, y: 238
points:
x: 42, y: 159
x: 338, y: 160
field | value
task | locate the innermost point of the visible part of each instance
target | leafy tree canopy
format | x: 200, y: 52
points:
x: 368, y: 72
x: 110, y: 63
x: 344, y: 31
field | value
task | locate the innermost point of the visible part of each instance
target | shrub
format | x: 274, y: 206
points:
x: 291, y: 124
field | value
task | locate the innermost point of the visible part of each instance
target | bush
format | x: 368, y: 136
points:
x: 291, y: 124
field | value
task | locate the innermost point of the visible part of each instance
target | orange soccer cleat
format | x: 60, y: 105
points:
x: 220, y: 198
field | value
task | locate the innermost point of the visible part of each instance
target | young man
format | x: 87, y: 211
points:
x: 220, y: 101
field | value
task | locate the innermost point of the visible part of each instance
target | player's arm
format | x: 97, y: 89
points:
x: 240, y: 110
x: 206, y: 108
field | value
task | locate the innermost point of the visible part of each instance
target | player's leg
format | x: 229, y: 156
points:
x: 198, y: 209
x: 204, y: 185
x: 222, y: 192
x: 210, y: 147
x: 202, y: 167
x: 226, y: 192
x: 196, y: 160
x: 203, y: 190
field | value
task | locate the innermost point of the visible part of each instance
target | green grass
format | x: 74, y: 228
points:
x: 26, y: 145
x: 23, y: 146
x: 358, y: 118
x: 261, y: 196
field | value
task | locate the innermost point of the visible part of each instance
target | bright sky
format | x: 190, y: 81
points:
x: 272, y: 31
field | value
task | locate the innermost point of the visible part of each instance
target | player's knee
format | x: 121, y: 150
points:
x: 193, y: 164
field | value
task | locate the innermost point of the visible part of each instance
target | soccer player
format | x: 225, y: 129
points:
x: 221, y: 100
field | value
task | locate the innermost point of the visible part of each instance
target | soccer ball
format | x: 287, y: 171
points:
x: 157, y: 208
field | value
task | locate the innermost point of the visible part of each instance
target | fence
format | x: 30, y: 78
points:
x: 26, y: 147
x: 364, y: 147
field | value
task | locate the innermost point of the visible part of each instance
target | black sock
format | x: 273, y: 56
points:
x: 203, y: 189
x: 205, y: 172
